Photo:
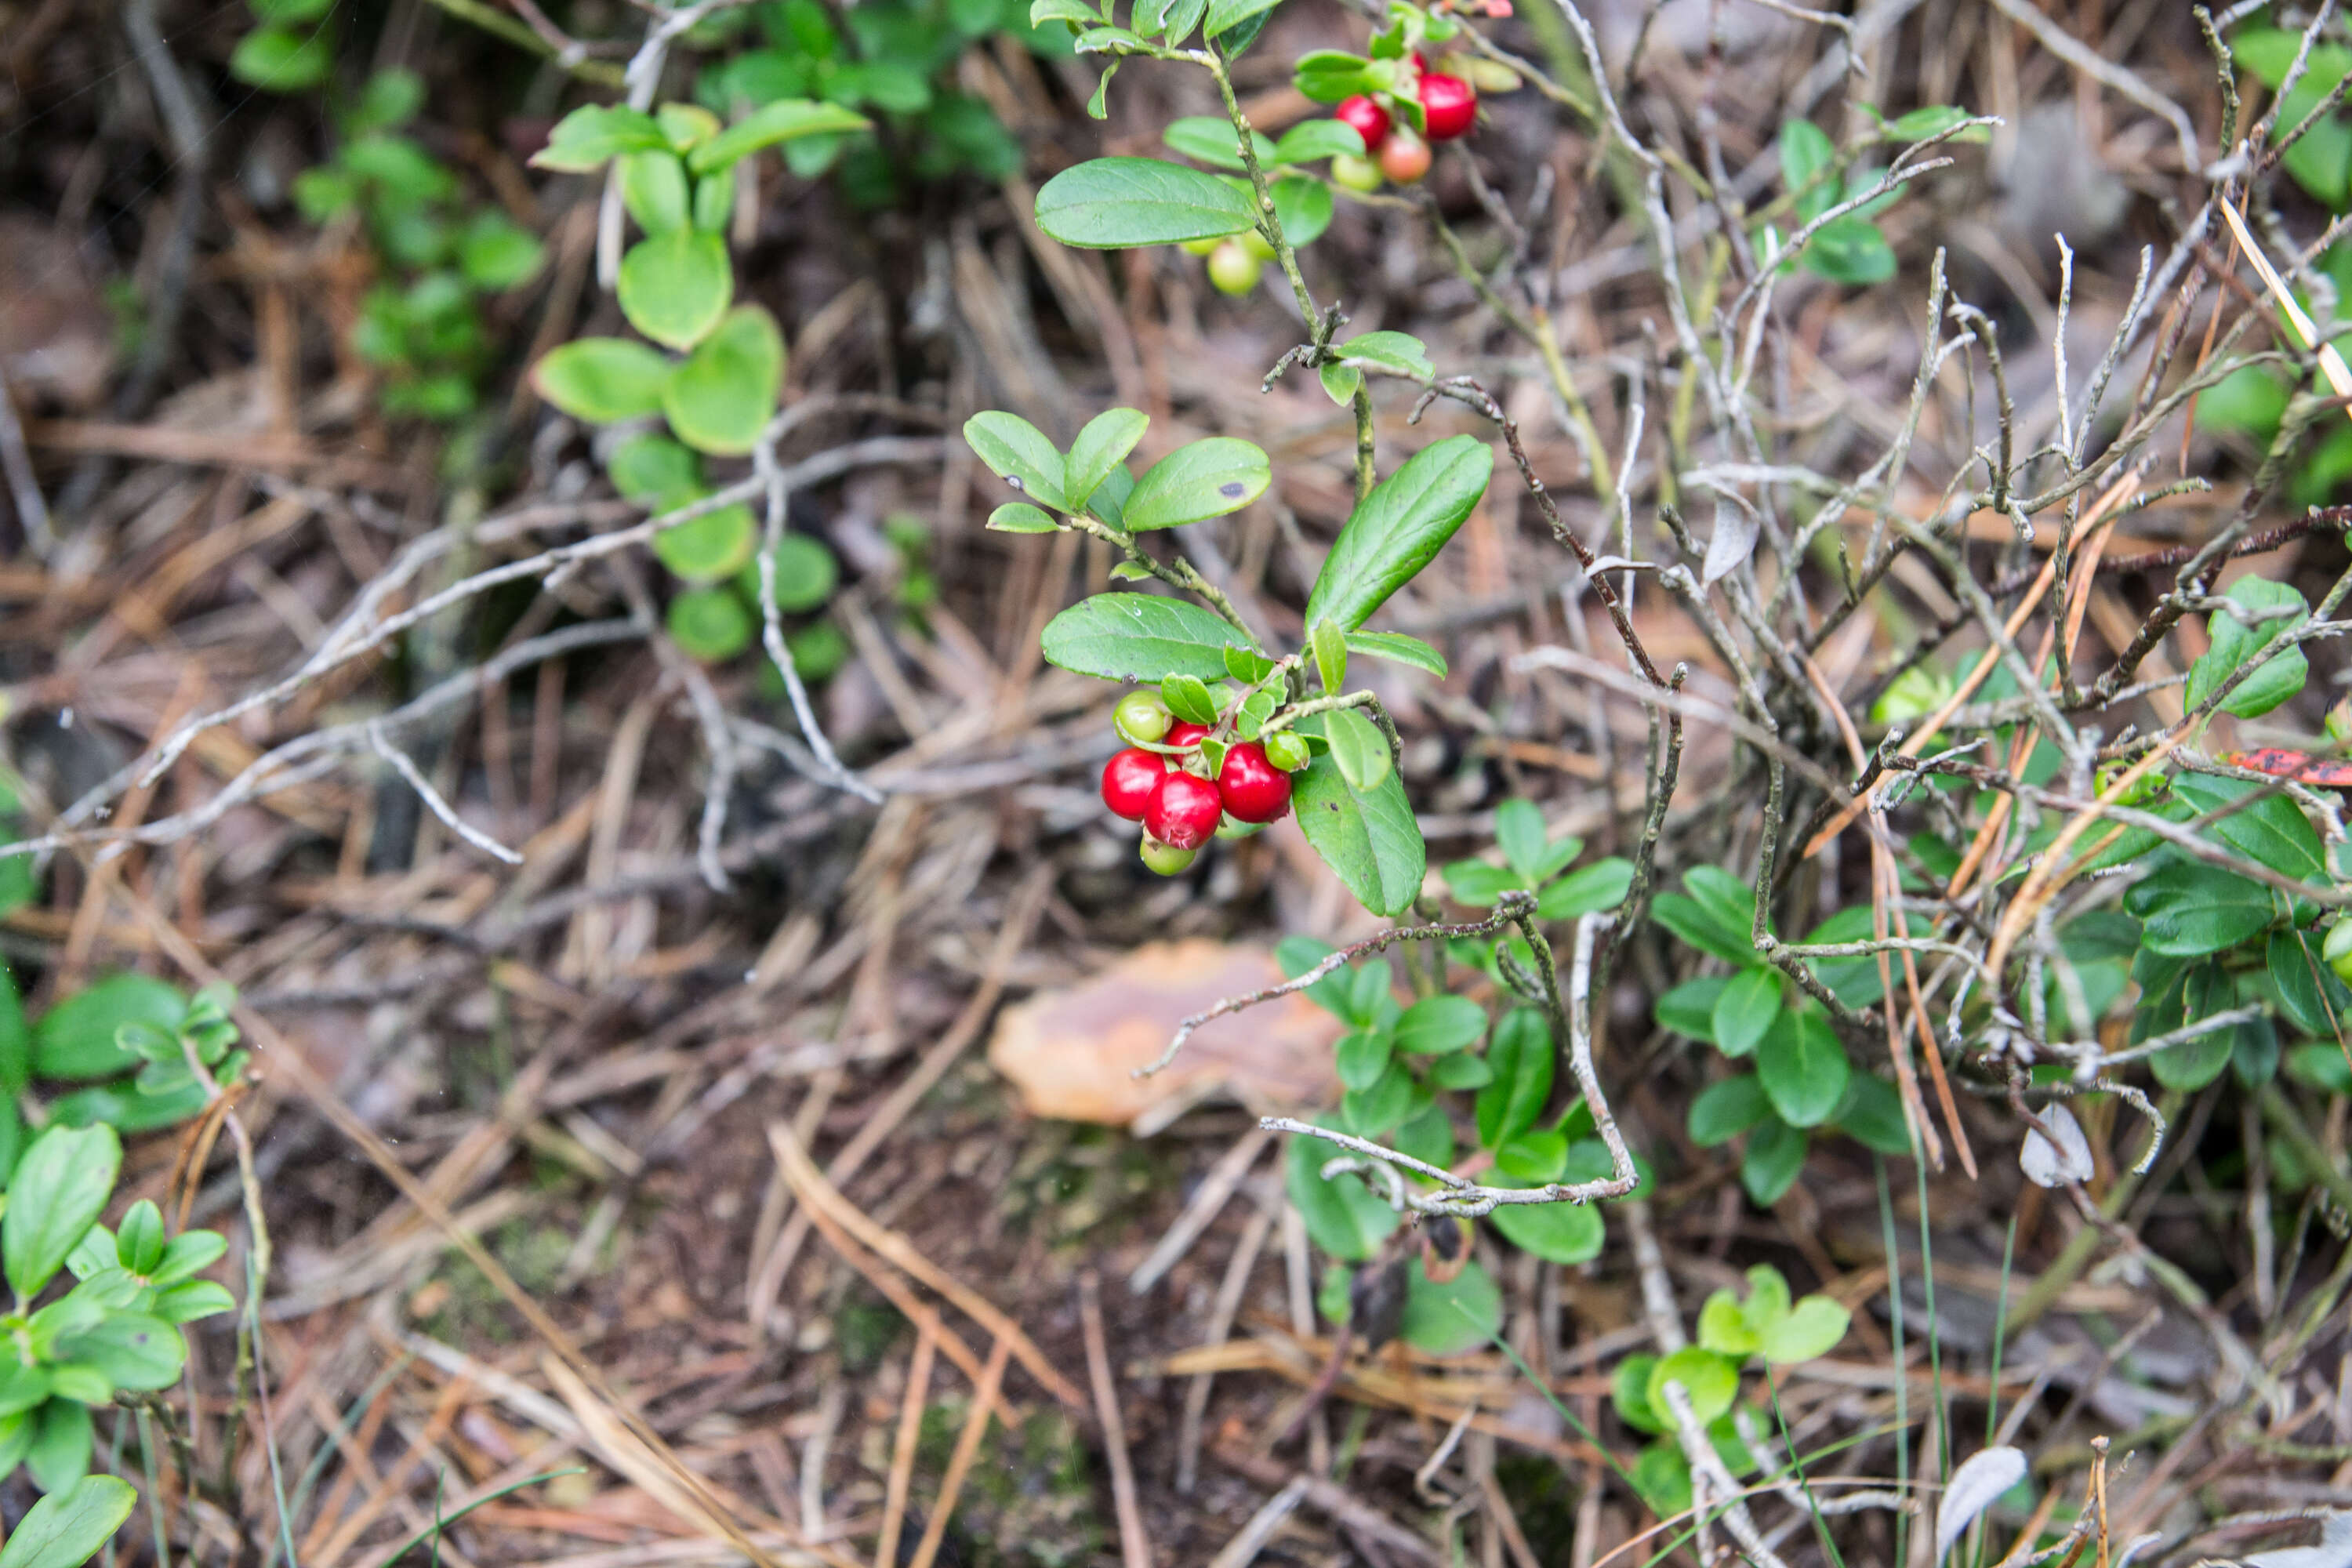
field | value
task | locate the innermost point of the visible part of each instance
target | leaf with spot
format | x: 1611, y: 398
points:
x: 1198, y: 481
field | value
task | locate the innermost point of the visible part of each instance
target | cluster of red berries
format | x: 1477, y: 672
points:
x: 1449, y: 107
x: 1162, y: 780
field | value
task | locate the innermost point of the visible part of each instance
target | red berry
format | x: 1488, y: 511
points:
x: 1405, y: 156
x: 1129, y: 780
x: 1184, y: 811
x: 1370, y: 121
x: 1254, y: 789
x: 1184, y: 736
x: 1449, y: 106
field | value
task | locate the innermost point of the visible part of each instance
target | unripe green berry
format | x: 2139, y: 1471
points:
x: 1166, y: 858
x: 1234, y: 271
x: 2338, y: 951
x: 1141, y: 719
x: 1286, y: 751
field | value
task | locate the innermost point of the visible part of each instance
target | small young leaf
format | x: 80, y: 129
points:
x: 1710, y: 1380
x: 1399, y: 529
x: 1398, y: 648
x: 1207, y: 140
x: 1359, y: 750
x: 1188, y: 698
x: 1397, y: 354
x: 676, y: 286
x: 1812, y: 1328
x: 652, y: 188
x: 1196, y: 482
x: 1329, y: 646
x: 1101, y: 446
x: 721, y: 399
x: 1310, y: 141
x: 1139, y: 636
x: 603, y: 380
x: 1020, y: 517
x: 592, y: 136
x: 1109, y: 203
x: 786, y: 120
x: 1018, y: 453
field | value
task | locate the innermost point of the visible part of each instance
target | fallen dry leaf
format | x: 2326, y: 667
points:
x: 1072, y: 1053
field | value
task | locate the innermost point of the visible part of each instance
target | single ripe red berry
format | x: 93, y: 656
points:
x: 1184, y: 736
x: 1449, y: 106
x: 1365, y: 114
x: 1253, y: 788
x: 1129, y: 781
x: 1404, y: 158
x: 1184, y: 811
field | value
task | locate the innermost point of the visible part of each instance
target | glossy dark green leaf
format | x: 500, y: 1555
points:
x: 2188, y: 909
x: 1769, y: 1168
x: 1102, y: 445
x: 1399, y: 529
x: 58, y: 1191
x: 65, y: 1528
x: 2235, y: 643
x: 1747, y: 1010
x: 1803, y: 1067
x: 1138, y: 638
x: 1197, y: 481
x: 1521, y: 1055
x: 1107, y: 204
x: 1726, y: 1108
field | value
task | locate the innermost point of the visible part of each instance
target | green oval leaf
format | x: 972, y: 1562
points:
x: 76, y: 1039
x: 591, y: 136
x: 1359, y: 749
x: 65, y: 1528
x: 786, y: 120
x: 1399, y: 529
x: 1803, y: 1068
x: 1370, y: 837
x: 1198, y: 481
x: 1101, y: 446
x: 1139, y: 636
x: 707, y: 548
x: 57, y: 1192
x: 1811, y: 1329
x: 652, y: 188
x: 720, y: 400
x: 1018, y: 453
x: 1109, y: 203
x: 603, y: 380
x: 674, y: 287
x: 1342, y: 1215
x: 1710, y: 1380
x: 1745, y: 1010
x: 1725, y: 1109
